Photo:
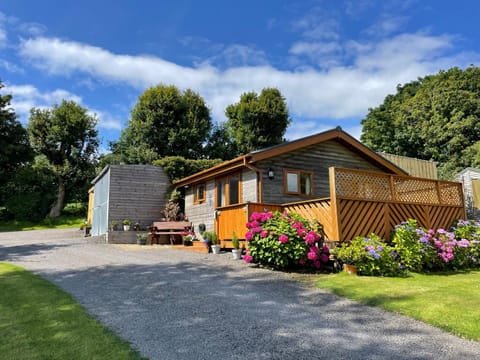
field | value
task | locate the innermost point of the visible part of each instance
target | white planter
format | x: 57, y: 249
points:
x: 237, y: 254
x: 216, y: 249
x: 126, y: 227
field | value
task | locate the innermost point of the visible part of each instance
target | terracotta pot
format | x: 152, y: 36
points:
x: 351, y: 269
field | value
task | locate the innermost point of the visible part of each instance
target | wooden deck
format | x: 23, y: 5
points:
x: 362, y: 203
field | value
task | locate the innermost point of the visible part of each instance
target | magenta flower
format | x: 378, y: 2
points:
x: 298, y: 225
x: 311, y: 237
x: 317, y: 264
x: 264, y: 234
x: 324, y: 258
x: 283, y: 238
x: 302, y: 261
x: 326, y: 250
x: 312, y: 256
x: 247, y: 258
x: 256, y: 230
x: 248, y: 236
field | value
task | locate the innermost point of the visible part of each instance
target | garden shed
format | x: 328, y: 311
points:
x: 470, y: 178
x: 134, y: 192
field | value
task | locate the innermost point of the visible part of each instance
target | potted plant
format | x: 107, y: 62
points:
x: 188, y: 237
x: 126, y: 224
x: 349, y: 254
x: 142, y: 239
x: 210, y: 237
x: 236, y: 251
x: 114, y: 225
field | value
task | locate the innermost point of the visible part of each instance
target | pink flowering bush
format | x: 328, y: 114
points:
x: 284, y: 240
x: 420, y: 249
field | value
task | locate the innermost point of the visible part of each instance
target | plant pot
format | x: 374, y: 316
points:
x: 215, y: 249
x: 237, y: 254
x: 351, y: 269
x: 126, y: 227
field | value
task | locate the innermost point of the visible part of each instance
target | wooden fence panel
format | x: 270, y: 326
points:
x: 361, y: 218
x: 315, y: 210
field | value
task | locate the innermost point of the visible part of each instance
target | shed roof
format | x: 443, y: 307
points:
x: 251, y: 158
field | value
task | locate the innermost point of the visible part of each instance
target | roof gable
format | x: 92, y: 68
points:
x: 335, y: 134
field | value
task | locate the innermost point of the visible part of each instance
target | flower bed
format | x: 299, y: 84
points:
x: 284, y: 241
x: 415, y: 249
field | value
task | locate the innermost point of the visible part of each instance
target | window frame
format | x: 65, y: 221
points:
x: 225, y: 181
x: 196, y: 191
x: 298, y: 173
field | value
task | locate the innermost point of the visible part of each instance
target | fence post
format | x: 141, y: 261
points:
x: 334, y: 206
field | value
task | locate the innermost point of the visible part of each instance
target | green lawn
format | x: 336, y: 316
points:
x: 448, y: 301
x: 40, y: 321
x: 61, y: 222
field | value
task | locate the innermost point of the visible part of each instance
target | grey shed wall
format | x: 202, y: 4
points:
x: 134, y: 192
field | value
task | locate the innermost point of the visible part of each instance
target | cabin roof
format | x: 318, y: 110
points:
x: 251, y: 158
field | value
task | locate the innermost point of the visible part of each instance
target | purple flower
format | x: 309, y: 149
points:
x: 324, y: 258
x: 283, y: 238
x: 312, y: 256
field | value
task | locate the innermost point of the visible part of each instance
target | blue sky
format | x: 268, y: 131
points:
x: 332, y: 60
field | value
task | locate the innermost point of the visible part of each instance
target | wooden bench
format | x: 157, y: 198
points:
x: 170, y: 228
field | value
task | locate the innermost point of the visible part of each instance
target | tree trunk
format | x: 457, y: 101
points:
x: 57, y: 207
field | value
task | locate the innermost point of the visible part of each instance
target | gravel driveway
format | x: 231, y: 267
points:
x: 173, y: 304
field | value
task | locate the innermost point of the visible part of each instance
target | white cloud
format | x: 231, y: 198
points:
x: 338, y: 92
x: 10, y: 67
x: 386, y: 25
x: 317, y: 24
x: 106, y: 120
x: 3, y: 38
x: 25, y: 97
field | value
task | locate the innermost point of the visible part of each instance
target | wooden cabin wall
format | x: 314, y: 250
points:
x: 317, y: 158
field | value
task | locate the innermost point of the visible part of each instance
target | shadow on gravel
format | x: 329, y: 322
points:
x: 12, y: 253
x: 192, y: 310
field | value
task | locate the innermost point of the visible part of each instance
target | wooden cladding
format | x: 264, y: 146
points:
x: 362, y: 203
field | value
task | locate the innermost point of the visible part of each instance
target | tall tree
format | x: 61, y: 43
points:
x: 220, y: 145
x: 258, y: 121
x: 67, y: 136
x: 14, y: 146
x: 434, y: 118
x: 165, y: 122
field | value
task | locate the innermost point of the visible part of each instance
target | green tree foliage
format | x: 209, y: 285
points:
x: 67, y: 136
x: 177, y: 167
x: 220, y: 145
x: 434, y: 118
x: 14, y: 146
x: 165, y: 122
x: 258, y: 121
x: 31, y: 191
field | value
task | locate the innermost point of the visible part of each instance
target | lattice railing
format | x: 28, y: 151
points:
x: 365, y: 185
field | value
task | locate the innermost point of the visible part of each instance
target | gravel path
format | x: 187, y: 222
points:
x: 173, y: 304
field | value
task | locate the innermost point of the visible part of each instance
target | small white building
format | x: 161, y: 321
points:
x: 470, y: 178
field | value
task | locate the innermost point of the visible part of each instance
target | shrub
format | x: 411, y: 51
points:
x: 371, y: 255
x: 284, y: 240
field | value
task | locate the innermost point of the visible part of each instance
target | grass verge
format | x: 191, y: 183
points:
x: 448, y: 300
x: 62, y: 222
x: 40, y: 321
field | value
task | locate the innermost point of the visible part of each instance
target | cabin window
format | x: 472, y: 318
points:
x: 228, y: 190
x: 199, y: 193
x: 298, y: 182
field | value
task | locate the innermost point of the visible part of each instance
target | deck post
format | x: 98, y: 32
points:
x: 334, y: 206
